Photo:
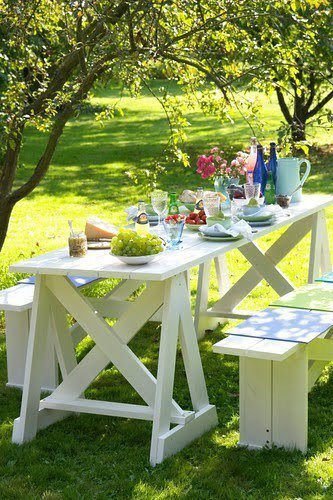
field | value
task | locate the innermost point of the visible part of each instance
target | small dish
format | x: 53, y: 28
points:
x: 220, y: 238
x: 283, y: 200
x: 193, y: 227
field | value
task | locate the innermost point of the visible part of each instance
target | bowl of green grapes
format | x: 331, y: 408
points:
x: 136, y: 249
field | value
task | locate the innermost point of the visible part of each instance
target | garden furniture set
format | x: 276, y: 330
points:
x: 277, y: 364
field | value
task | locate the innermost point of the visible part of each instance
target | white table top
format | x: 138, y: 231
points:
x: 194, y: 251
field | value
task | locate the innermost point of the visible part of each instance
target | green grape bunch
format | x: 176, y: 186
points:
x: 131, y: 244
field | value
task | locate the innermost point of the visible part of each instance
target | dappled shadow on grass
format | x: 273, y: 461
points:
x: 91, y: 456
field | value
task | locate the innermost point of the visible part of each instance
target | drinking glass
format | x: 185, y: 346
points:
x: 211, y: 203
x: 159, y: 201
x: 252, y: 191
x: 173, y: 230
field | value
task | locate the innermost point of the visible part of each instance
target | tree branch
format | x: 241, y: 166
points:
x: 58, y: 127
x: 320, y: 105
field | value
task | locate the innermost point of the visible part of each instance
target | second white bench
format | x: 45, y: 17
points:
x: 275, y: 377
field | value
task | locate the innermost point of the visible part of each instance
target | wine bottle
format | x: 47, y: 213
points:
x: 199, y: 200
x: 270, y: 189
x: 260, y: 170
x: 173, y: 205
x: 272, y: 161
x: 251, y: 161
x: 142, y: 222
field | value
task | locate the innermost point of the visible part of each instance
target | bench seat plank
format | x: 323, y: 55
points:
x: 249, y: 347
x: 17, y: 298
x: 294, y: 325
x: 318, y: 297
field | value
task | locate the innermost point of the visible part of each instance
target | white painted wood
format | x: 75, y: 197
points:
x: 82, y: 375
x: 124, y: 289
x: 105, y: 337
x: 253, y: 347
x: 177, y: 438
x: 61, y: 338
x: 222, y: 273
x: 235, y: 345
x: 220, y: 314
x: 315, y: 248
x: 316, y: 367
x: 25, y: 427
x: 255, y: 402
x: 172, y: 305
x: 266, y: 267
x: 77, y: 333
x: 290, y: 402
x: 17, y: 332
x: 97, y: 407
x: 279, y: 249
x: 326, y: 261
x: 195, y: 251
x: 276, y: 350
x: 320, y: 258
x: 191, y: 354
x: 201, y: 322
x: 314, y: 371
x: 141, y: 311
x: 109, y: 308
x: 17, y: 298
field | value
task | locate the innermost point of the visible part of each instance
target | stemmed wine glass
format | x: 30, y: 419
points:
x: 159, y: 201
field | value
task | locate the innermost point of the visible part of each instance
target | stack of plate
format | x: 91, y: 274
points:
x: 212, y: 235
x: 258, y: 219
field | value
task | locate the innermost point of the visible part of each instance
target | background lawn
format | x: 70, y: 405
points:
x: 103, y: 457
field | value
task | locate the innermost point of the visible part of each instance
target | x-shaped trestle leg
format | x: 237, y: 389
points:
x: 263, y: 267
x: 56, y: 294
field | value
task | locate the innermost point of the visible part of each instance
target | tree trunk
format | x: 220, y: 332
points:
x: 6, y: 209
x: 298, y: 130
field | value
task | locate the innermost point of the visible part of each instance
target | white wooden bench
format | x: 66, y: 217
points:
x: 16, y: 302
x: 276, y: 373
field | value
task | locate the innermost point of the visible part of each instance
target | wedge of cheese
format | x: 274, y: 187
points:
x: 97, y: 229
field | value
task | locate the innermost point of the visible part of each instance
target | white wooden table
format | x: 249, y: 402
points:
x: 306, y: 216
x: 167, y: 290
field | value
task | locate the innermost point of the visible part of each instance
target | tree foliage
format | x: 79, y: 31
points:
x: 53, y: 53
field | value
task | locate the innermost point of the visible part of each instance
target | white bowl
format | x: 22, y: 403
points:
x: 136, y: 261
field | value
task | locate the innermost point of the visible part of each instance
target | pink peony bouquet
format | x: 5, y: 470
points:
x: 216, y: 165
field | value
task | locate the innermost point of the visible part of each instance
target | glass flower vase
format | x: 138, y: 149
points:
x: 221, y: 184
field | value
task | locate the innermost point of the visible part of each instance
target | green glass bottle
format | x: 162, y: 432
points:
x: 270, y: 189
x: 173, y: 204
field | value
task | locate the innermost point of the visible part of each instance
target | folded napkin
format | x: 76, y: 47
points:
x: 240, y: 227
x: 132, y: 212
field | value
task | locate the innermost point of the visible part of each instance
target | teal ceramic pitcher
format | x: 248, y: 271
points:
x: 288, y: 176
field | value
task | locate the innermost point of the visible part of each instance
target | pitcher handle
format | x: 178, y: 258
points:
x: 307, y: 171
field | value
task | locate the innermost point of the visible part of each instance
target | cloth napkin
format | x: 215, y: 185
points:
x: 132, y: 212
x: 240, y: 227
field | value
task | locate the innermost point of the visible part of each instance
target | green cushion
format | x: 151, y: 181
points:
x: 318, y: 297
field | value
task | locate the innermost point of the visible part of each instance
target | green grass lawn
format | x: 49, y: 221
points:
x: 101, y: 457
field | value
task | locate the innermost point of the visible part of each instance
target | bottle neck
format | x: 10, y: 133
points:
x: 141, y: 207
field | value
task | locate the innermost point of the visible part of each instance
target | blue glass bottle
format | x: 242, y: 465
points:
x: 260, y: 171
x: 272, y: 161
